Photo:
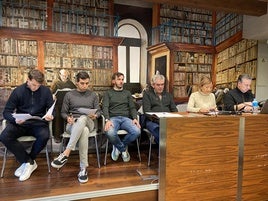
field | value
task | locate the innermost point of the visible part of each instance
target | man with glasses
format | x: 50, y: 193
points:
x: 29, y: 98
x: 241, y: 97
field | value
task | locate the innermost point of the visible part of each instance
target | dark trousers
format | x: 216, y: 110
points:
x: 153, y: 127
x: 13, y: 131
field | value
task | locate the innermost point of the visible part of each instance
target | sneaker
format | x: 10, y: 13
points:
x: 125, y: 156
x: 19, y: 170
x: 27, y: 171
x: 115, y: 153
x: 82, y: 176
x: 59, y: 161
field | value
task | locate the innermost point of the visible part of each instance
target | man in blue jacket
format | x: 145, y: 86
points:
x: 29, y: 98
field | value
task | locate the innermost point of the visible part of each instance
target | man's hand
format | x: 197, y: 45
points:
x: 136, y: 122
x: 108, y: 124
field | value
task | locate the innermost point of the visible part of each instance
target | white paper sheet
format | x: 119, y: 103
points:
x: 87, y: 111
x: 164, y: 114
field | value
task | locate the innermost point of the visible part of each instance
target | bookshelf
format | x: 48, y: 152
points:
x: 239, y: 58
x: 184, y: 25
x: 227, y: 25
x: 96, y: 60
x: 83, y: 17
x: 183, y: 66
x: 90, y: 17
x: 25, y: 14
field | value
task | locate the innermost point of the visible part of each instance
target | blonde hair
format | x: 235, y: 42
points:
x: 204, y: 80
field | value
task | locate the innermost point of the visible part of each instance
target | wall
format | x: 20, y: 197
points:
x: 262, y: 72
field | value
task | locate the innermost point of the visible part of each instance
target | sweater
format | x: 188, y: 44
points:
x: 73, y: 100
x: 24, y: 100
x: 119, y: 103
x: 200, y: 100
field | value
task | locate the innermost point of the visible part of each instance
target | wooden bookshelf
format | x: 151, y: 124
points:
x: 184, y: 65
x: 24, y: 49
x: 227, y: 25
x: 239, y: 58
x: 90, y: 17
x: 184, y: 25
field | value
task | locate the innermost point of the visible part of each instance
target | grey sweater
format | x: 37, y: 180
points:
x: 74, y: 100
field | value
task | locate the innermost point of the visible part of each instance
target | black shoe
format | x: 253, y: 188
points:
x: 60, y: 161
x: 82, y: 176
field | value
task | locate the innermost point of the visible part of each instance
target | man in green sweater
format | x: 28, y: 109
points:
x: 120, y: 114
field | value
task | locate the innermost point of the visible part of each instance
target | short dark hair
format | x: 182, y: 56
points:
x: 36, y: 75
x: 244, y: 76
x: 117, y: 74
x: 82, y: 75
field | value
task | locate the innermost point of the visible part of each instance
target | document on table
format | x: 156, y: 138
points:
x: 87, y: 111
x: 164, y: 114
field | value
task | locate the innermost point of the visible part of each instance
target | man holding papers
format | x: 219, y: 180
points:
x: 80, y: 107
x: 156, y: 99
x: 30, y: 99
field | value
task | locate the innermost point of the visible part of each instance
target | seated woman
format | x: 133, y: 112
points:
x: 203, y: 100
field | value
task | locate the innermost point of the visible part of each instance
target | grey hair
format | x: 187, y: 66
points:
x: 157, y: 77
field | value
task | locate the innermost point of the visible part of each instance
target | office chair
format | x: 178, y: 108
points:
x: 27, y: 139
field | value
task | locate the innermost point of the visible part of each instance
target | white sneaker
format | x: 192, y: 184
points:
x: 115, y: 153
x: 28, y: 170
x: 125, y: 156
x: 19, y: 170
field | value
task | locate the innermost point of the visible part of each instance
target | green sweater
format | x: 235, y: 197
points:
x: 118, y: 103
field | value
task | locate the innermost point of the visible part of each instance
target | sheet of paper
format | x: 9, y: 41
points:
x: 50, y: 110
x: 25, y: 117
x: 87, y: 111
x: 164, y: 114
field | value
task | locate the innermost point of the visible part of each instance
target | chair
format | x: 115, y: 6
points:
x: 120, y: 132
x: 26, y: 139
x: 66, y: 136
x: 151, y: 140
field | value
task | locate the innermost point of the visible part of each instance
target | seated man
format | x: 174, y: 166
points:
x: 74, y: 107
x: 120, y: 113
x: 35, y: 99
x: 241, y: 97
x: 156, y: 99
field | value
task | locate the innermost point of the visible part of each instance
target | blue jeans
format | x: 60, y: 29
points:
x: 122, y: 123
x: 154, y: 129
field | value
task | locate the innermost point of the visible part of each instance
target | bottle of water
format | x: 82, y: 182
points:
x: 255, y: 106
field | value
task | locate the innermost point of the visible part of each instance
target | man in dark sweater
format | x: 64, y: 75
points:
x: 120, y: 113
x: 241, y: 97
x: 156, y: 99
x: 35, y: 99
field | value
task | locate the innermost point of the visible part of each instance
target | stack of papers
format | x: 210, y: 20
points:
x: 164, y: 114
x: 87, y: 111
x: 25, y: 117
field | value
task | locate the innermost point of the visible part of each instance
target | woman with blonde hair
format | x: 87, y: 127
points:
x: 203, y: 100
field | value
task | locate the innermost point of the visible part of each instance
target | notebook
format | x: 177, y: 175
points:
x: 264, y: 109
